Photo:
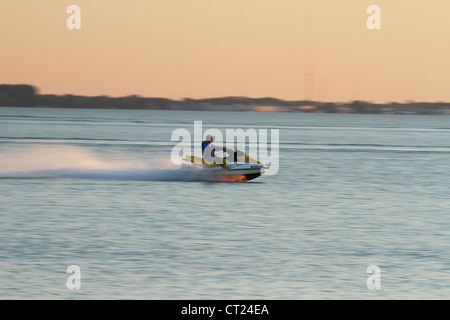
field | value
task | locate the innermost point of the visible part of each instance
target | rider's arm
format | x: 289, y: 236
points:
x: 224, y: 149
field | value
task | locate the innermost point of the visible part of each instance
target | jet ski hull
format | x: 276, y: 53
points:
x: 251, y: 176
x: 244, y: 170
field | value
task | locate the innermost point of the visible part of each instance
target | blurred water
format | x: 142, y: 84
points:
x: 96, y: 188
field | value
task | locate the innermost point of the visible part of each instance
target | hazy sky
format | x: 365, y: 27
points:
x: 287, y: 49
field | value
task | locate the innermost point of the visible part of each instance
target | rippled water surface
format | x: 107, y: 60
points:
x: 97, y: 189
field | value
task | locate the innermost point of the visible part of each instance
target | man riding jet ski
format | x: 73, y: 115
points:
x: 209, y: 152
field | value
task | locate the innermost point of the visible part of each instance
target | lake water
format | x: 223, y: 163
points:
x: 97, y: 189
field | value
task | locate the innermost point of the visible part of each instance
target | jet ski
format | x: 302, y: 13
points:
x: 238, y: 166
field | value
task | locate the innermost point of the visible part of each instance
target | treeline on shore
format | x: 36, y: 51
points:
x: 28, y: 96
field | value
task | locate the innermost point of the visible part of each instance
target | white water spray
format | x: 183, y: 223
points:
x: 73, y: 162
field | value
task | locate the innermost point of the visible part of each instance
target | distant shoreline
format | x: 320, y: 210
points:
x: 27, y: 96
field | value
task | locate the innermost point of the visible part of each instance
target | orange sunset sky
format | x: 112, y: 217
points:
x: 286, y: 49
